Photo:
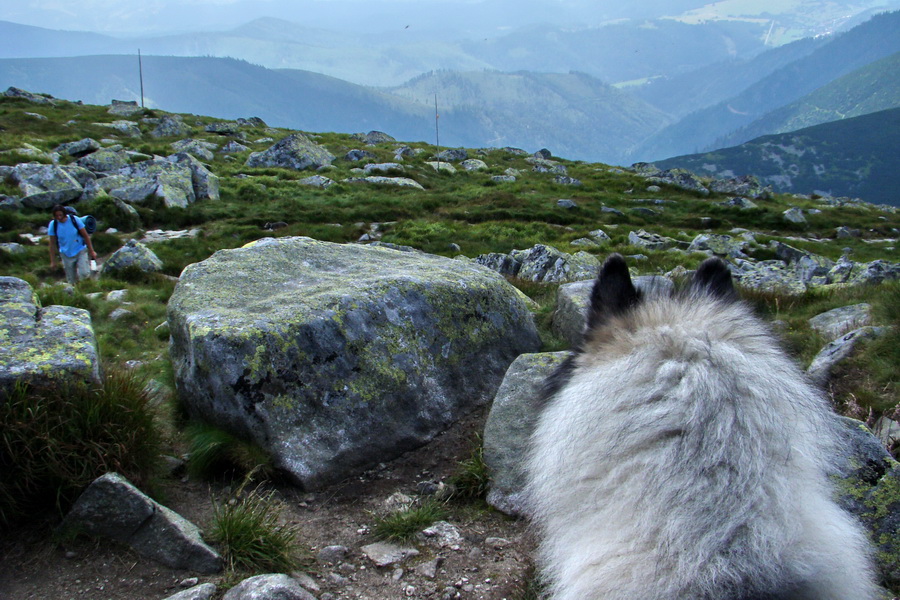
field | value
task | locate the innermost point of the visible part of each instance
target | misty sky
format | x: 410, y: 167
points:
x: 132, y: 17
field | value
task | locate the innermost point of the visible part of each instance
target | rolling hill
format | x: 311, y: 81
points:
x: 853, y: 157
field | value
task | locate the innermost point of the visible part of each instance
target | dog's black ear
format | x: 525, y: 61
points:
x: 714, y: 277
x: 613, y: 292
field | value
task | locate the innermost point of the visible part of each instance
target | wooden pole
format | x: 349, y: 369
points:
x: 141, y: 72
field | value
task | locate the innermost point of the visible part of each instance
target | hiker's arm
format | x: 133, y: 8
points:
x: 87, y: 240
x: 54, y: 250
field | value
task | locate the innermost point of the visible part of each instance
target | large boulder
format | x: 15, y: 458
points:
x: 336, y: 357
x: 204, y: 182
x: 543, y: 264
x: 171, y: 182
x: 44, y: 186
x: 296, y: 151
x: 43, y: 344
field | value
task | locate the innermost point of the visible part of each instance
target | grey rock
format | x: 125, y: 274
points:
x: 336, y: 357
x: 442, y: 166
x: 223, y: 128
x: 599, y: 236
x: 319, y: 181
x: 358, y: 155
x: 846, y: 233
x: 78, y: 149
x: 772, y: 276
x: 171, y: 126
x: 720, y: 245
x: 132, y: 254
x: 332, y: 554
x: 542, y: 263
x: 44, y: 186
x: 296, y: 151
x: 442, y: 534
x: 382, y: 167
x: 650, y: 241
x: 204, y: 183
x: 566, y: 203
x: 745, y: 185
x: 644, y: 211
x: 127, y: 128
x: 453, y: 155
x: 393, y: 181
x: 473, y: 164
x: 112, y: 507
x: 124, y: 108
x: 509, y: 425
x: 171, y: 182
x: 12, y: 248
x: 834, y: 352
x: 374, y: 137
x: 275, y: 586
x: 836, y: 322
x: 794, y: 215
x: 234, y: 147
x: 503, y: 178
x: 679, y: 178
x: 384, y: 554
x: 200, y: 149
x: 14, y: 92
x: 739, y: 202
x: 204, y: 591
x: 105, y: 160
x: 41, y: 345
x: 10, y: 203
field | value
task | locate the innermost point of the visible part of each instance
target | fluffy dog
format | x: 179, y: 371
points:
x: 680, y: 455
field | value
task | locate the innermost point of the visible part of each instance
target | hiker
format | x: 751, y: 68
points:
x: 70, y: 239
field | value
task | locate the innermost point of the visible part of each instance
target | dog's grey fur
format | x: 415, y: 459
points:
x: 680, y: 456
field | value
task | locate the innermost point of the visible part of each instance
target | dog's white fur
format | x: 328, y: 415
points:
x: 683, y: 459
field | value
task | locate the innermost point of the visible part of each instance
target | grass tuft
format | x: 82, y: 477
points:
x: 405, y: 523
x: 55, y: 440
x: 471, y: 478
x: 251, y: 537
x: 215, y: 453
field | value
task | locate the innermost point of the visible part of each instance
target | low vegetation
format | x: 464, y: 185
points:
x: 54, y: 442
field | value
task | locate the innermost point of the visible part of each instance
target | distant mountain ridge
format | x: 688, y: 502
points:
x: 699, y: 131
x: 853, y: 157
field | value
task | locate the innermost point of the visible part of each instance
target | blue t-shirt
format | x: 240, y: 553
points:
x: 68, y: 240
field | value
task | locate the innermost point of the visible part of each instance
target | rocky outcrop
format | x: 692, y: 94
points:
x: 836, y: 322
x: 113, y: 508
x: 543, y: 264
x: 170, y: 126
x: 132, y: 255
x: 405, y: 182
x: 296, y: 151
x: 335, y: 357
x: 41, y: 345
x: 834, y: 352
x: 43, y: 186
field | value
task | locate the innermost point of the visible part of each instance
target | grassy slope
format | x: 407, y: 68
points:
x: 825, y: 157
x: 467, y: 209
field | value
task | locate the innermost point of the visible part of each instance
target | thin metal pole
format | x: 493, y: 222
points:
x: 437, y: 133
x: 141, y: 71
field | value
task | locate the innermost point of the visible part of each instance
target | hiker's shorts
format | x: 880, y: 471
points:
x: 77, y: 267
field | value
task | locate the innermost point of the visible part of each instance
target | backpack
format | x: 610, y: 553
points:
x: 90, y: 223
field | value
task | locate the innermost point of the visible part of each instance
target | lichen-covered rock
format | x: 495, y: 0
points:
x: 679, y: 178
x: 296, y: 151
x: 170, y: 126
x: 771, y: 276
x: 44, y: 186
x: 319, y: 181
x: 836, y: 322
x: 453, y: 155
x: 745, y: 185
x: 128, y: 128
x: 171, y: 182
x: 651, y: 241
x: 381, y: 180
x: 336, y: 357
x: 105, y: 160
x: 112, y: 507
x: 508, y: 428
x: 132, y: 254
x: 794, y: 215
x: 374, y: 137
x: 78, y: 148
x: 200, y: 149
x: 719, y: 244
x: 543, y: 264
x: 473, y: 164
x: 382, y: 167
x: 43, y: 344
x: 204, y: 182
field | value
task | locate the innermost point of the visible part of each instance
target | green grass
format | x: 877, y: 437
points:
x: 405, y: 523
x: 215, y: 453
x: 251, y: 537
x: 56, y: 440
x: 471, y: 479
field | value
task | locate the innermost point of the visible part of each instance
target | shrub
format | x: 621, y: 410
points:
x: 54, y: 440
x: 250, y: 535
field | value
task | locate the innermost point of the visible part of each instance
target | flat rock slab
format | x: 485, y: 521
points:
x: 384, y: 554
